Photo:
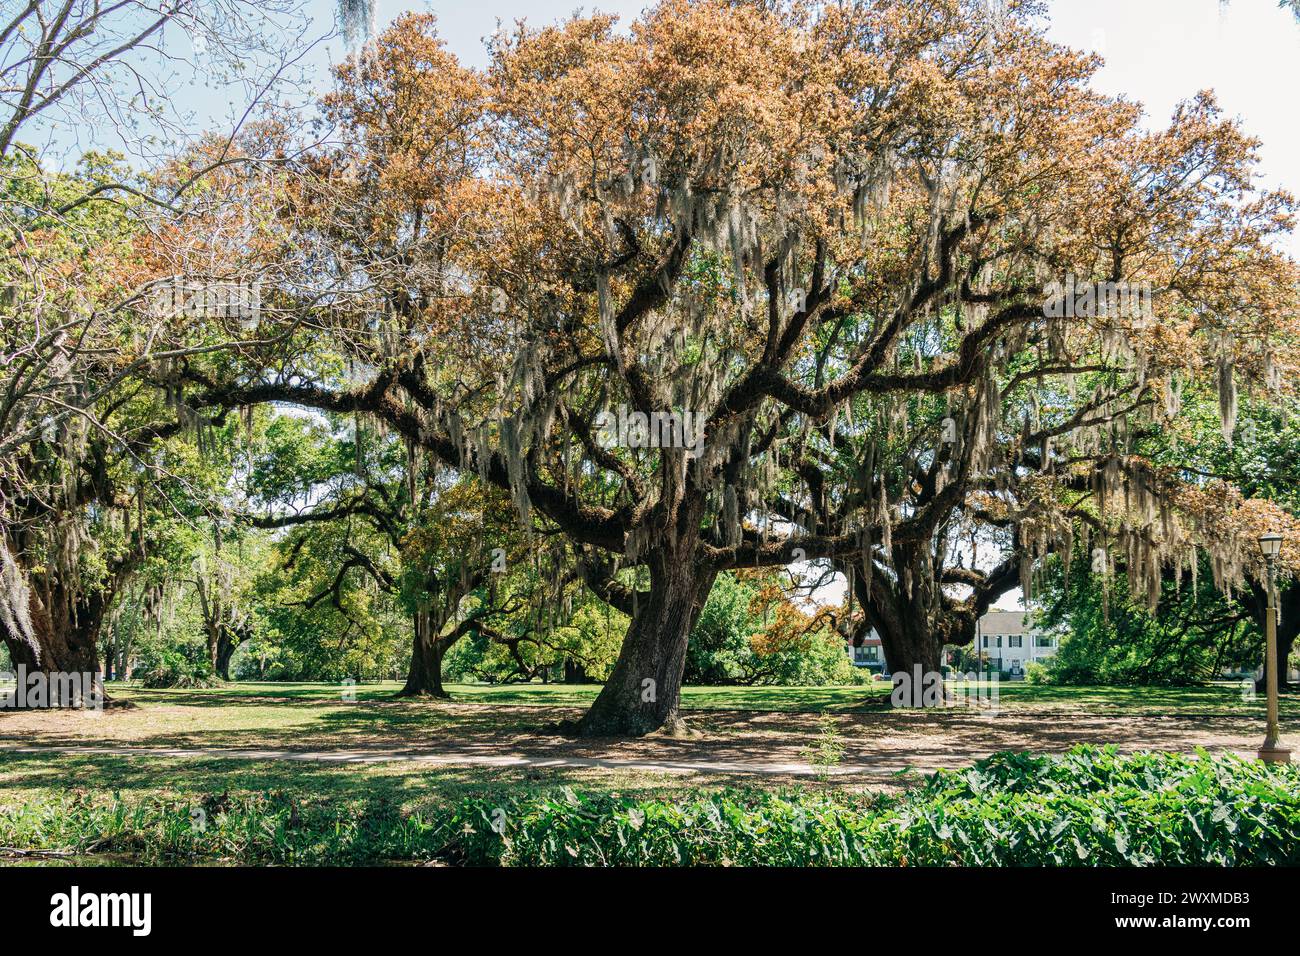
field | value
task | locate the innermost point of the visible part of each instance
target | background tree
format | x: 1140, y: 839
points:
x: 75, y: 430
x: 750, y: 632
x: 1193, y: 636
x: 1258, y: 457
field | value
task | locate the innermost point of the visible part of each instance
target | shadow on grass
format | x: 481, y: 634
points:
x: 183, y: 777
x: 409, y: 785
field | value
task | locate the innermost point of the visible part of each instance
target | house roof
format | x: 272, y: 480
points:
x: 871, y: 640
x: 1003, y: 622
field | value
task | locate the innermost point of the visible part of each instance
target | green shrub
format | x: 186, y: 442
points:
x: 1088, y: 807
x: 1037, y: 673
x: 275, y: 827
x: 718, y: 829
x: 174, y: 669
x: 1092, y: 806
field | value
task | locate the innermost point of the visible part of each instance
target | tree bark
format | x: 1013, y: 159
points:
x: 1288, y: 626
x: 66, y: 631
x: 424, y: 677
x: 909, y: 635
x: 226, y: 647
x: 915, y: 623
x: 905, y: 639
x: 222, y: 634
x: 643, y: 693
x: 574, y: 672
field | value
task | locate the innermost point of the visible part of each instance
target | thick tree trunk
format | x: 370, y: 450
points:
x: 1284, y: 648
x: 643, y: 693
x: 1288, y: 626
x: 908, y: 636
x: 67, y: 633
x: 907, y: 643
x: 424, y: 678
x: 574, y: 672
x: 226, y: 648
x: 213, y: 634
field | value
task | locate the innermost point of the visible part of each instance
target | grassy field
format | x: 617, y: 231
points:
x: 307, y: 715
x: 736, y: 723
x: 778, y: 725
x: 1220, y: 699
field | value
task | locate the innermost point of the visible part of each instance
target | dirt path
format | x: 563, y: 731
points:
x: 773, y: 745
x: 451, y: 758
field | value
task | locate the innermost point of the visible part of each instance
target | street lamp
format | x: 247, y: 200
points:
x: 1271, y: 751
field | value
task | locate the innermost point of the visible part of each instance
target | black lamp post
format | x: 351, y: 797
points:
x: 1271, y: 751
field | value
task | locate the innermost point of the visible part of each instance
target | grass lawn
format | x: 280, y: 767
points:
x: 1219, y: 699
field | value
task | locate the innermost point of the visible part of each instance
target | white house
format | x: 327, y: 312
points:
x: 1009, y: 643
x: 871, y: 654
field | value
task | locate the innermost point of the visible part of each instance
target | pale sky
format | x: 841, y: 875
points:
x: 1161, y: 51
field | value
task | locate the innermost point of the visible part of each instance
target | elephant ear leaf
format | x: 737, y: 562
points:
x: 1223, y: 814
